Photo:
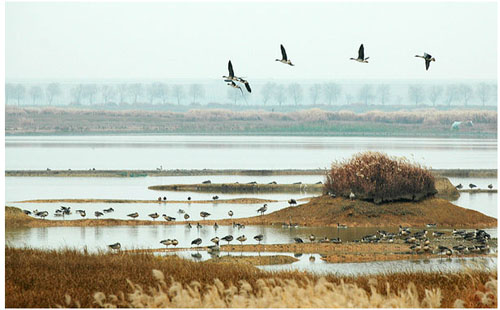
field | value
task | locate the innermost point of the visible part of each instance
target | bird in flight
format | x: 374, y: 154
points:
x: 284, y: 59
x: 428, y: 58
x: 361, y: 55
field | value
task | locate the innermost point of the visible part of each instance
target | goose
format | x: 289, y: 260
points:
x: 431, y: 225
x: 166, y: 242
x: 428, y: 58
x: 361, y: 55
x: 27, y: 212
x: 336, y: 240
x: 189, y: 198
x: 159, y: 199
x: 319, y: 182
x: 490, y: 186
x: 472, y: 185
x: 298, y: 240
x: 341, y: 226
x: 459, y: 186
x: 263, y: 209
x: 196, y: 241
x: 204, y: 214
x: 230, y: 213
x: 228, y: 78
x: 154, y: 216
x: 245, y: 82
x: 133, y: 215
x: 234, y: 85
x: 437, y: 234
x: 168, y: 218
x: 284, y: 59
x: 109, y: 210
x: 42, y: 214
x: 227, y: 238
x: 81, y: 212
x: 97, y: 213
x: 180, y: 211
x: 259, y: 238
x: 164, y: 198
x: 272, y: 183
x: 115, y: 246
x: 215, y: 240
x: 325, y: 240
x: 312, y: 238
x: 292, y: 202
x: 186, y: 216
x: 175, y: 242
x: 215, y: 197
x: 196, y: 255
x: 242, y: 239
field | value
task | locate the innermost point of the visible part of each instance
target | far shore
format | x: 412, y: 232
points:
x: 463, y: 173
x: 92, y: 200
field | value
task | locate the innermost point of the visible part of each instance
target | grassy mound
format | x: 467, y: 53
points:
x: 376, y: 177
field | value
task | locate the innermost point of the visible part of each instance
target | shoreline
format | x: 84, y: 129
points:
x: 92, y: 200
x: 465, y: 173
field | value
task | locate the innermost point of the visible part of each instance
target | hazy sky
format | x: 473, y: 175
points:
x: 195, y: 40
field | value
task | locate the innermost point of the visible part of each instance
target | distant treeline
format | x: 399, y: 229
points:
x: 122, y: 95
x: 428, y: 122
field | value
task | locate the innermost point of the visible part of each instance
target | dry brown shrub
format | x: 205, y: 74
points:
x: 375, y: 176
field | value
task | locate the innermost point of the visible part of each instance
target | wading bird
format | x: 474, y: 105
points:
x: 472, y: 185
x: 133, y: 215
x: 361, y: 55
x: 196, y: 241
x: 166, y: 242
x: 115, y: 246
x: 97, y: 213
x: 230, y: 213
x: 215, y: 240
x: 262, y: 209
x: 428, y: 58
x: 109, y: 210
x: 459, y: 186
x: 227, y: 238
x: 204, y: 214
x: 186, y: 216
x: 242, y: 239
x: 284, y: 59
x: 259, y: 238
x: 490, y: 186
x: 298, y: 240
x: 154, y: 216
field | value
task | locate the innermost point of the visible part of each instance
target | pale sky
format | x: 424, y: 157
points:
x: 196, y: 39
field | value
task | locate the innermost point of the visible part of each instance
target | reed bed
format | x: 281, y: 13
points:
x: 70, y: 278
x: 376, y: 177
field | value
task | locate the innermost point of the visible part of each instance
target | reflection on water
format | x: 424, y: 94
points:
x: 232, y: 152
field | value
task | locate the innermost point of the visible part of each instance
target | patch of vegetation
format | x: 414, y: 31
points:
x: 374, y: 176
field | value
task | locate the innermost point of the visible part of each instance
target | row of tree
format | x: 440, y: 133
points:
x: 326, y: 93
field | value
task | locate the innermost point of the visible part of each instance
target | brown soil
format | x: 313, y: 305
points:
x: 255, y: 260
x: 327, y: 211
x: 91, y: 200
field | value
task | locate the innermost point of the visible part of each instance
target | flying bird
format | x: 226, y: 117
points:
x: 284, y: 59
x: 361, y: 55
x: 428, y: 58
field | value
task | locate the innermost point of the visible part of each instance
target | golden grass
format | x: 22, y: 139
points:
x: 36, y: 278
x: 377, y: 177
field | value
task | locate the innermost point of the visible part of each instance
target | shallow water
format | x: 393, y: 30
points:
x: 235, y: 152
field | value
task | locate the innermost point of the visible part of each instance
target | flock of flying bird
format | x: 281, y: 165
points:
x: 230, y: 79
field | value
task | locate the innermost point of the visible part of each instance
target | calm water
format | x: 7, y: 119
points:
x: 235, y: 152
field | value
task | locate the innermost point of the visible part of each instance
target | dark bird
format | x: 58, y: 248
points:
x: 227, y: 238
x: 292, y: 202
x: 133, y: 215
x: 428, y: 58
x: 228, y: 78
x: 115, y: 246
x: 166, y: 242
x: 189, y: 198
x: 164, y: 198
x: 490, y: 186
x: 459, y: 186
x: 215, y: 197
x: 298, y: 240
x: 42, y: 214
x: 284, y: 59
x: 312, y: 238
x: 180, y: 211
x: 198, y: 226
x: 230, y: 213
x: 431, y: 225
x: 361, y: 55
x: 109, y: 210
x: 97, y: 213
x: 204, y: 214
x: 168, y: 218
x: 188, y: 225
x: 262, y: 209
x: 154, y: 216
x: 196, y: 241
x: 216, y: 226
x: 472, y: 185
x: 27, y: 212
x: 259, y: 238
x: 175, y: 242
x: 245, y: 82
x: 186, y: 216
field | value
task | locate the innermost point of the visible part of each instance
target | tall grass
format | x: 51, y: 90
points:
x: 36, y: 278
x: 374, y: 176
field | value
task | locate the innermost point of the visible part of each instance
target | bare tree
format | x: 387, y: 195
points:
x: 152, y: 92
x: 136, y: 90
x: 267, y: 91
x: 434, y: 93
x: 77, y: 93
x: 280, y: 94
x: 178, y: 92
x: 10, y: 91
x: 36, y: 93
x: 162, y: 90
x: 383, y: 92
x: 416, y: 93
x: 52, y: 91
x: 483, y: 92
x: 196, y: 91
x: 107, y: 93
x: 233, y: 94
x: 494, y: 90
x: 123, y: 92
x: 348, y: 98
x: 451, y: 94
x: 89, y: 92
x: 314, y: 93
x: 465, y: 92
x: 331, y: 91
x: 365, y: 93
x: 295, y: 90
x: 19, y: 92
